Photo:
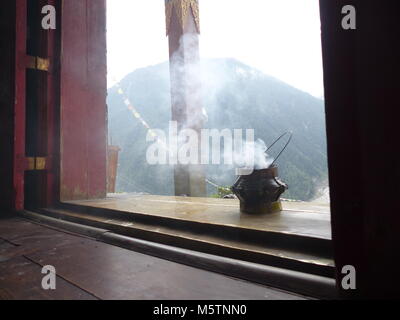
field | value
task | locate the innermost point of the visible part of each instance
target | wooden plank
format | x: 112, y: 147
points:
x: 20, y: 279
x: 283, y: 251
x: 11, y: 229
x: 88, y: 269
x: 306, y: 219
x: 124, y: 274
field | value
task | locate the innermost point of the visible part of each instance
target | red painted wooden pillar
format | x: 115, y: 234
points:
x: 183, y: 28
x: 53, y: 112
x: 19, y: 107
x: 83, y: 114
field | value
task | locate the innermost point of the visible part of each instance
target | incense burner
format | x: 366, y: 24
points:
x: 259, y: 190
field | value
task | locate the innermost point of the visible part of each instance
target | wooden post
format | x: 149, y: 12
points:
x: 112, y: 168
x: 183, y: 28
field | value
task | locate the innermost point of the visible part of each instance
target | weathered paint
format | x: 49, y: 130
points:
x: 19, y: 107
x: 83, y: 100
x: 53, y: 113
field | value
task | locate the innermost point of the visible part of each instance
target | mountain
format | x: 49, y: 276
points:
x: 235, y: 96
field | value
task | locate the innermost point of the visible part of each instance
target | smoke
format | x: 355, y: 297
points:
x: 186, y: 84
x: 253, y: 156
x: 196, y: 86
x: 261, y: 159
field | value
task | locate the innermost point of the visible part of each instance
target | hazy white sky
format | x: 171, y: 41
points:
x: 279, y: 37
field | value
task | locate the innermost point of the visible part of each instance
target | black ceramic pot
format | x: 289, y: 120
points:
x: 259, y: 190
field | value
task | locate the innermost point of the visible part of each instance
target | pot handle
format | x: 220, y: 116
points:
x: 283, y: 149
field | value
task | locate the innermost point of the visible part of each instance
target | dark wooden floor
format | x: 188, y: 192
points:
x: 89, y: 269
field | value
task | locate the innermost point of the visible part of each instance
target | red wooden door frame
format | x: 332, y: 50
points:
x: 76, y: 140
x: 22, y: 60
